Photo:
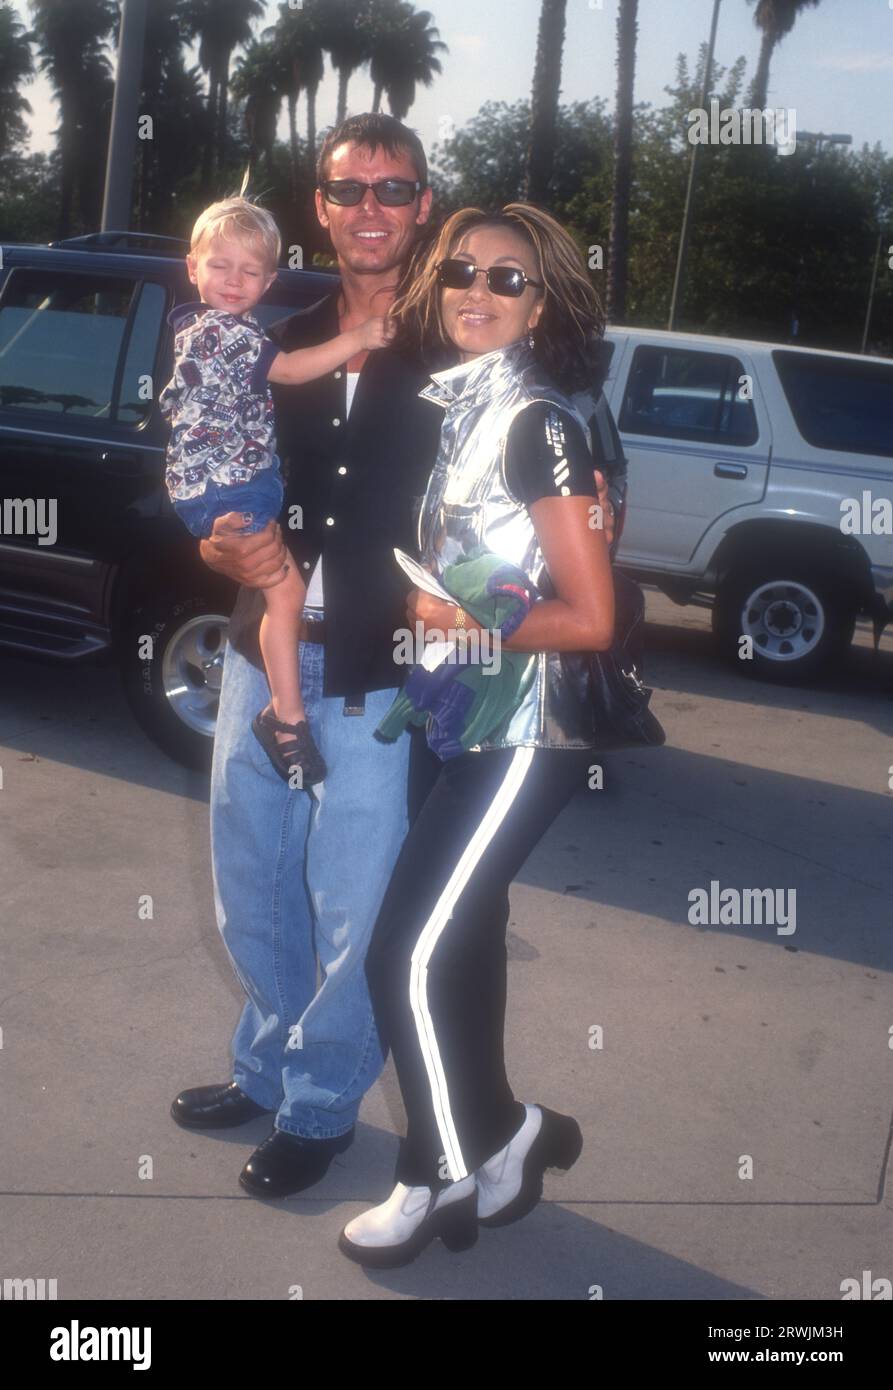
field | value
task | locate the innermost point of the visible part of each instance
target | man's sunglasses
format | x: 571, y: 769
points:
x: 501, y: 279
x: 391, y: 193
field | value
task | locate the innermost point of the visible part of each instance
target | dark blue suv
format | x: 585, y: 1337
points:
x: 93, y: 558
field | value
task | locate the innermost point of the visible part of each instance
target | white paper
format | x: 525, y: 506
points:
x: 435, y: 653
x: 422, y: 578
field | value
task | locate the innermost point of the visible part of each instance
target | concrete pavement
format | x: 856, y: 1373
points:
x: 718, y: 1044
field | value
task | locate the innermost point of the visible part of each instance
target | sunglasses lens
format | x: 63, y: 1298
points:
x: 456, y: 275
x: 395, y: 193
x: 347, y: 194
x: 504, y: 280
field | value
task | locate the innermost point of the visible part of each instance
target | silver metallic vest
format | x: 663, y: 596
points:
x: 468, y: 504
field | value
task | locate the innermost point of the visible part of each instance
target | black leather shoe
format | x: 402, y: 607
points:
x: 286, y: 1163
x: 215, y: 1107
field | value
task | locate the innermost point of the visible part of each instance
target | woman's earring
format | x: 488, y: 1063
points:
x: 530, y: 339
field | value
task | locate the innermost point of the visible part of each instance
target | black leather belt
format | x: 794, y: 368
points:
x: 313, y: 631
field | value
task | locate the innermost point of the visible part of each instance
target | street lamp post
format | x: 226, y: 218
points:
x: 689, y: 193
x: 116, y: 204
x: 883, y: 213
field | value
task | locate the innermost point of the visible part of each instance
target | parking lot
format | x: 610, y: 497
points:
x: 732, y: 1082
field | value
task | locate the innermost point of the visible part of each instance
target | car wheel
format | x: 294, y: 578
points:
x: 172, y: 665
x: 797, y: 622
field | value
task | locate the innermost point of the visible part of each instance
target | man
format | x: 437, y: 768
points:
x: 298, y: 880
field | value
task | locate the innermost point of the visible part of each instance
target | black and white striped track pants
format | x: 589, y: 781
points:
x: 436, y: 963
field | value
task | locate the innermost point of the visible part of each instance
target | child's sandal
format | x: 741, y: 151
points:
x: 300, y: 751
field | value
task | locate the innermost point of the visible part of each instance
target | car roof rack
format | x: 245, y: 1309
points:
x: 147, y: 242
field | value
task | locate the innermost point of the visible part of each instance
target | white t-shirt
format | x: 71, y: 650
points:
x: 314, y: 588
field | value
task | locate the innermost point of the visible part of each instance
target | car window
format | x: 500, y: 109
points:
x: 837, y: 404
x: 684, y: 393
x: 60, y: 341
x: 135, y: 396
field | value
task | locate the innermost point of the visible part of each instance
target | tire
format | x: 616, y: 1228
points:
x: 799, y: 621
x: 174, y: 692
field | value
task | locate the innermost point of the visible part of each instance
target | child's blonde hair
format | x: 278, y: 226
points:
x: 238, y: 219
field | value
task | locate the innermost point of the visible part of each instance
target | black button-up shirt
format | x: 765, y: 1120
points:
x: 354, y: 482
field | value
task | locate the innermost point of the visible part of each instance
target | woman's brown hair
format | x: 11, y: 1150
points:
x: 567, y: 339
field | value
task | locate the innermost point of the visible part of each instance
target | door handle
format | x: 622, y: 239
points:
x: 730, y: 470
x: 120, y: 465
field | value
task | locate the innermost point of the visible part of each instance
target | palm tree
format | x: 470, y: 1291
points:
x: 775, y: 18
x: 181, y: 127
x: 16, y: 66
x: 627, y: 33
x: 343, y: 34
x: 403, y: 48
x: 544, y: 101
x: 384, y: 26
x: 298, y: 42
x: 221, y: 26
x: 70, y: 41
x: 164, y: 36
x: 260, y: 82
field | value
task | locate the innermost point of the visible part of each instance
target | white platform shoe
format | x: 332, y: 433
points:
x: 395, y: 1232
x: 511, y: 1182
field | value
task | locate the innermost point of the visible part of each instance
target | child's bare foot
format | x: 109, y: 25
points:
x: 289, y: 746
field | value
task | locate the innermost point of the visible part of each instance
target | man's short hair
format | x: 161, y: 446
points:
x: 373, y: 129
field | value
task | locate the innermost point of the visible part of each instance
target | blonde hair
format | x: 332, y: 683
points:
x: 572, y: 321
x: 238, y: 219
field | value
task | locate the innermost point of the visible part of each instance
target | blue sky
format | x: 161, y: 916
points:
x: 835, y: 69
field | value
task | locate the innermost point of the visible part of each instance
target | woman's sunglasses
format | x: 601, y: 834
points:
x: 391, y: 193
x: 501, y: 279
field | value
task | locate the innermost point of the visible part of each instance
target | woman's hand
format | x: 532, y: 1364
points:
x: 433, y: 613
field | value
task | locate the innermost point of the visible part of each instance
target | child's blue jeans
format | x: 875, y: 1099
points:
x: 260, y: 499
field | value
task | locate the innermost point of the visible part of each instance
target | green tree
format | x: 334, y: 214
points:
x: 16, y: 67
x: 483, y: 164
x: 775, y: 238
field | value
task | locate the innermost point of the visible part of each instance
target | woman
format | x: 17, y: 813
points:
x: 511, y: 294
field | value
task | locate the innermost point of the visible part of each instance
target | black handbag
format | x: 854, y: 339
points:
x: 620, y: 702
x: 609, y: 683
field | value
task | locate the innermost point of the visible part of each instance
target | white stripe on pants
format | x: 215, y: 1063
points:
x: 427, y: 942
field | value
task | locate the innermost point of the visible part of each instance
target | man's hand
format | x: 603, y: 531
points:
x: 604, y: 502
x: 259, y: 561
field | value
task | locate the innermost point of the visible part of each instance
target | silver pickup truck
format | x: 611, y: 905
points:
x: 760, y: 483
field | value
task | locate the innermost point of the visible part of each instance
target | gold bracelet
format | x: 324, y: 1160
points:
x: 461, y: 622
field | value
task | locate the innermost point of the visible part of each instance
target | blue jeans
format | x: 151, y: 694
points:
x: 298, y: 879
x: 260, y: 499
